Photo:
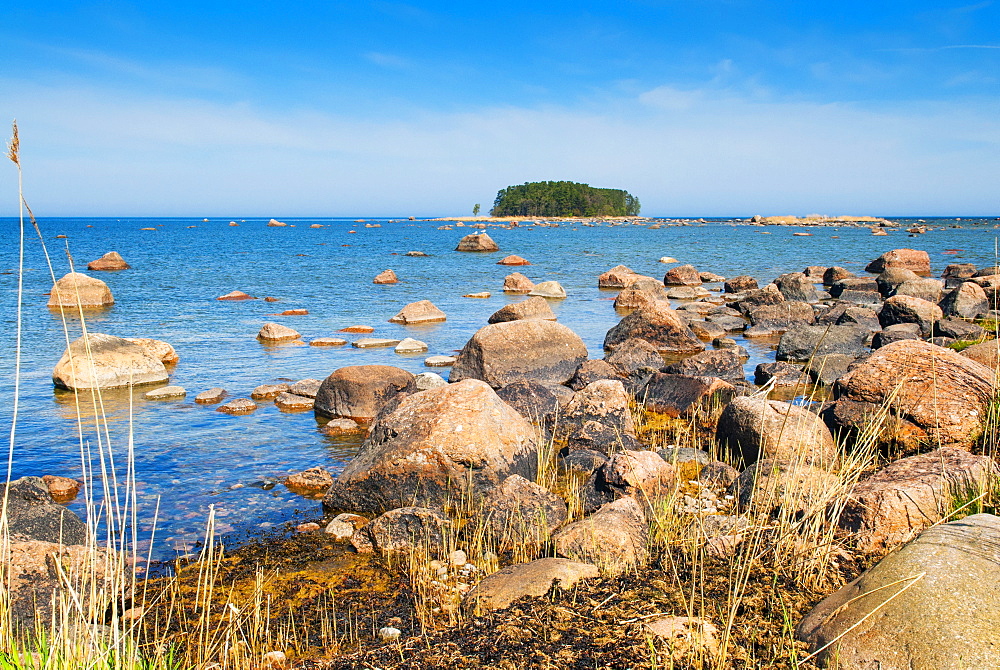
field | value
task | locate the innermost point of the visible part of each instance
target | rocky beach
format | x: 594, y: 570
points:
x: 536, y: 443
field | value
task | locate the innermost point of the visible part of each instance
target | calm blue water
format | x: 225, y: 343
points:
x: 189, y: 456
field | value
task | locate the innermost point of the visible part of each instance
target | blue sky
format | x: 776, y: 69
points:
x: 697, y: 107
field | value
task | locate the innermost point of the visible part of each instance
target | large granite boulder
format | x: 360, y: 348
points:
x: 756, y: 428
x: 604, y: 402
x: 517, y: 283
x: 967, y: 300
x: 401, y: 533
x: 422, y: 311
x: 105, y: 361
x: 615, y: 538
x: 641, y: 293
x: 773, y: 319
x: 681, y: 395
x: 447, y: 443
x: 359, y: 391
x: 76, y: 290
x: 900, y: 500
x: 906, y: 259
x: 519, y: 514
x: 682, y: 275
x: 32, y: 514
x: 659, y: 325
x: 593, y: 370
x: 924, y: 288
x: 931, y: 605
x: 940, y: 396
x: 797, y: 286
x: 528, y: 349
x: 534, y: 307
x: 619, y: 276
x: 477, y: 242
x: 987, y: 353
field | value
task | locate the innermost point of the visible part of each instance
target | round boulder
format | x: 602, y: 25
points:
x: 659, y: 325
x: 443, y: 444
x: 527, y: 349
x: 757, y: 428
x: 77, y: 290
x: 359, y: 391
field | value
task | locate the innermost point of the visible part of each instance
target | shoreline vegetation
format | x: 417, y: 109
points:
x: 784, y: 220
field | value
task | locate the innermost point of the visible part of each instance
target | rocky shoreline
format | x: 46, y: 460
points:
x: 538, y: 463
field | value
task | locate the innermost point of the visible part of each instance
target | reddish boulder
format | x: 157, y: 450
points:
x: 386, y: 277
x: 906, y: 259
x: 109, y: 261
x: 682, y: 275
x: 660, y: 326
x: 359, y: 391
x: 517, y: 283
x: 513, y: 260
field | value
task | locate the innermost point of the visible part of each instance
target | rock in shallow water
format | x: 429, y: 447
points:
x: 77, y: 290
x: 105, y: 361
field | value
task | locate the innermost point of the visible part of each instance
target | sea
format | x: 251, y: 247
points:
x: 188, y: 458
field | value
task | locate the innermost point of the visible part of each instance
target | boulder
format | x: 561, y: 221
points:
x: 517, y: 283
x: 615, y: 538
x: 783, y: 374
x: 105, y: 361
x: 618, y: 277
x: 456, y: 441
x: 957, y: 329
x: 62, y: 489
x: 275, y: 332
x: 78, y: 291
x: 645, y: 475
x: 740, y: 284
x: 109, y: 261
x: 535, y: 401
x: 500, y: 589
x: 513, y: 260
x: 236, y: 295
x: 386, y: 277
x: 158, y: 348
x: 633, y: 355
x: 549, y: 289
x: 890, y: 279
x: 924, y: 607
x: 828, y: 368
x: 860, y: 316
x: 408, y: 345
x: 772, y: 319
x: 534, y: 307
x: 32, y: 514
x: 527, y: 349
x: 779, y: 488
x: 991, y: 286
x: 327, y: 342
x: 853, y: 284
x: 292, y: 402
x: 815, y: 272
x: 986, y: 353
x: 422, y: 311
x: 862, y: 298
x: 604, y: 402
x: 796, y: 286
x: 306, y: 387
x: 942, y: 395
x: 238, y: 407
x: 519, y: 514
x: 907, y: 259
x: 895, y: 333
x: 757, y: 428
x: 211, y: 396
x: 682, y: 395
x: 725, y: 364
x: 477, y: 242
x: 375, y: 342
x: 688, y: 293
x: 660, y: 326
x: 923, y: 288
x: 905, y: 309
x: 594, y: 370
x: 269, y: 391
x: 967, y: 300
x: 682, y: 275
x: 897, y: 502
x: 711, y: 277
x: 959, y: 271
x: 769, y: 295
x: 310, y: 482
x: 359, y: 391
x: 802, y: 343
x: 731, y: 323
x: 641, y: 293
x: 706, y: 330
x: 338, y: 427
x: 834, y: 274
x: 406, y: 532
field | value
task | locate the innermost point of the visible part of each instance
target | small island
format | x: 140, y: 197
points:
x: 563, y: 198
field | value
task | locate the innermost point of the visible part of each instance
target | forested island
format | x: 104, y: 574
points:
x: 563, y: 198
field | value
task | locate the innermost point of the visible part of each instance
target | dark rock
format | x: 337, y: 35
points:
x: 890, y: 279
x: 724, y: 364
x: 853, y: 284
x: 359, y: 391
x: 959, y: 271
x: 32, y: 514
x: 407, y: 531
x: 958, y: 329
x: 860, y: 316
x: 679, y: 395
x: 968, y: 301
x: 769, y: 295
x: 660, y: 326
x: 783, y: 374
x: 834, y: 274
x: 862, y: 298
x: 582, y: 460
x: 593, y: 370
x: 682, y: 275
x: 906, y: 309
x: 804, y: 342
x: 825, y: 370
x: 535, y: 401
x: 740, y: 284
x: 900, y: 331
x: 796, y: 286
x: 718, y: 475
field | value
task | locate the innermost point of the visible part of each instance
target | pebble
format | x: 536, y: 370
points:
x: 274, y: 659
x: 307, y: 527
x: 458, y: 558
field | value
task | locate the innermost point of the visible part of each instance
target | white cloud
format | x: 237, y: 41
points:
x: 681, y: 151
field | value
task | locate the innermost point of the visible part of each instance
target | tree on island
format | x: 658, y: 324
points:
x: 475, y: 209
x: 563, y: 198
